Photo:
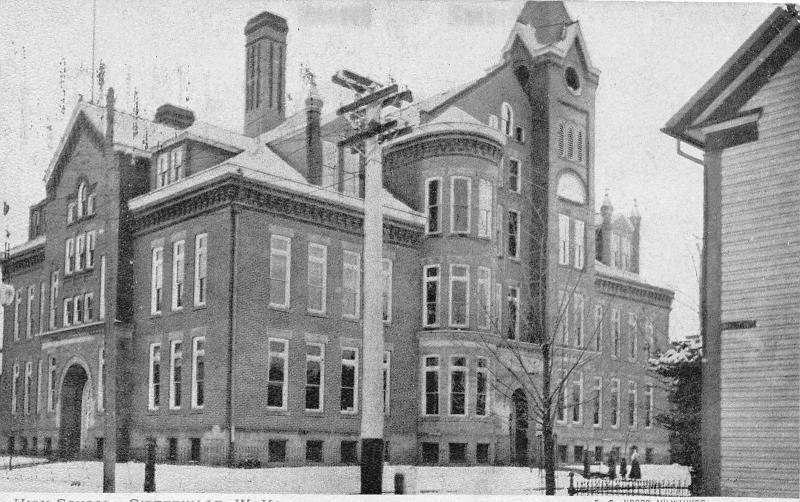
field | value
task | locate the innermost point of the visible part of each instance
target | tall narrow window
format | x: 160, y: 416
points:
x: 176, y: 374
x: 563, y: 239
x: 386, y: 272
x: 386, y: 372
x: 648, y: 413
x: 485, y: 209
x: 102, y: 300
x: 597, y: 402
x: 648, y: 331
x: 513, y: 175
x: 598, y: 327
x: 433, y: 205
x: 276, y: 373
x: 14, y: 383
x: 70, y: 212
x: 39, y: 387
x: 101, y: 378
x: 499, y: 243
x: 77, y: 309
x: 632, y: 404
x: 200, y: 268
x: 317, y: 278
x: 42, y: 306
x: 570, y: 143
x: 53, y: 299
x: 315, y: 376
x: 349, y: 380
x: 561, y: 402
x: 513, y: 234
x: 69, y: 256
x: 577, y: 399
x: 580, y: 238
x: 614, y: 403
x: 577, y: 312
x: 90, y: 204
x: 177, y: 163
x: 80, y: 252
x: 460, y: 204
x: 29, y: 311
x: 459, y: 295
x: 157, y: 280
x: 17, y: 307
x: 560, y: 140
x: 458, y: 385
x: 279, y: 271
x: 513, y: 313
x: 563, y: 317
x: 163, y: 170
x: 482, y: 387
x: 198, y: 372
x: 507, y: 119
x: 178, y: 271
x: 28, y: 386
x: 51, y: 384
x: 431, y: 295
x: 632, y: 335
x: 88, y: 307
x: 498, y: 313
x: 484, y: 298
x: 580, y: 146
x: 615, y: 331
x: 431, y: 396
x: 154, y: 394
x: 351, y: 284
x: 68, y: 312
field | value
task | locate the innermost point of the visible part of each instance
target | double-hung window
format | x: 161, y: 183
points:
x: 632, y: 404
x: 386, y: 372
x: 14, y: 383
x: 351, y: 284
x: 615, y: 331
x: 157, y: 280
x: 577, y: 311
x: 561, y: 403
x: 563, y: 239
x: 277, y: 387
x: 178, y: 273
x: 597, y: 402
x: 200, y: 269
x: 51, y: 384
x: 507, y: 119
x: 484, y: 298
x: 154, y: 393
x: 280, y: 265
x: 80, y: 252
x: 198, y: 372
x: 91, y: 241
x: 632, y: 334
x: 458, y: 385
x: 513, y: 312
x: 598, y: 327
x: 459, y: 295
x: 580, y: 238
x: 614, y: 403
x: 69, y: 256
x: 317, y: 278
x: 563, y: 317
x: 485, y: 209
x: 648, y: 413
x: 53, y: 298
x: 386, y: 272
x: 77, y: 309
x: 68, y: 312
x: 577, y: 399
x: 460, y: 204
x: 315, y: 376
x: 88, y: 307
x: 431, y: 295
x: 349, y: 380
x: 433, y: 205
x: 17, y: 307
x: 39, y: 386
x: 176, y: 374
x: 482, y: 387
x: 101, y: 376
x: 27, y: 387
x: 514, y: 175
x: 29, y: 311
x: 513, y: 234
x: 430, y: 403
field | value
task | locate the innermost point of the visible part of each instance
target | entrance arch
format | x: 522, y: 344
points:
x: 519, y: 427
x: 73, y: 398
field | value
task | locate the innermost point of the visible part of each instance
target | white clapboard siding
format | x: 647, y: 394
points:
x: 760, y: 367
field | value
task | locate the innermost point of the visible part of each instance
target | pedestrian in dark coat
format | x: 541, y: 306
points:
x: 636, y: 471
x: 623, y: 466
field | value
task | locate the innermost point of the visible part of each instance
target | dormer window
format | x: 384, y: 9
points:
x: 170, y: 167
x: 507, y: 117
x: 81, y: 205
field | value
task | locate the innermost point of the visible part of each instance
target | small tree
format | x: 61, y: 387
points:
x: 681, y: 369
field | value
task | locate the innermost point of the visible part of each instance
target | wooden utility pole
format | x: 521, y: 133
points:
x: 365, y: 114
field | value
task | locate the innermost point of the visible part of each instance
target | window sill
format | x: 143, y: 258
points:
x: 351, y: 318
x: 79, y: 273
x: 323, y: 315
x: 280, y: 308
x: 199, y: 307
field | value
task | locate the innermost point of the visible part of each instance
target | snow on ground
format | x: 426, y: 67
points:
x: 87, y: 477
x: 18, y: 460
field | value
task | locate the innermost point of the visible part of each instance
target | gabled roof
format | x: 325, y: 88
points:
x: 547, y: 27
x: 740, y: 77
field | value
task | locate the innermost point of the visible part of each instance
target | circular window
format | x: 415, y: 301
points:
x: 572, y: 79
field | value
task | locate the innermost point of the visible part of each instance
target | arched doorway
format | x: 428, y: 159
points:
x: 519, y: 427
x: 73, y: 396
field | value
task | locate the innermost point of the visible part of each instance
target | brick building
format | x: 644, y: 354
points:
x: 216, y: 276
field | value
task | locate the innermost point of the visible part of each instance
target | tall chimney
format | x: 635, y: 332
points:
x: 636, y: 220
x: 110, y: 102
x: 265, y: 75
x: 314, y: 136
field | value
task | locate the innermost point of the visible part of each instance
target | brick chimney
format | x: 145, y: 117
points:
x: 636, y: 220
x: 265, y: 75
x: 174, y: 116
x: 110, y: 101
x: 314, y: 136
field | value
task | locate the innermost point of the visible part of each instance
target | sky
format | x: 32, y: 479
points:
x: 653, y: 57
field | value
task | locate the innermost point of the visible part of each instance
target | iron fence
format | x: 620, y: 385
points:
x: 658, y: 488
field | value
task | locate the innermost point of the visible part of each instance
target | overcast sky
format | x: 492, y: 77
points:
x: 653, y: 57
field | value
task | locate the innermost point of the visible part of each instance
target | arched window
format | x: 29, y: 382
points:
x: 508, y: 119
x: 580, y: 145
x: 561, y: 140
x: 571, y: 188
x: 570, y: 143
x: 81, y: 200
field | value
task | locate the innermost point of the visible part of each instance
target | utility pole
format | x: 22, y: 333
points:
x: 365, y: 115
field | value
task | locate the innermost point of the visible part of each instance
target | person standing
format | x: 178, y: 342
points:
x: 636, y: 471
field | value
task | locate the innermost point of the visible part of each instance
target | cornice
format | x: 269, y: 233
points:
x: 638, y: 292
x: 442, y: 145
x: 261, y: 197
x: 22, y: 261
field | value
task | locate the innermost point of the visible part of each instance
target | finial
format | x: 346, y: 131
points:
x: 635, y: 210
x: 606, y: 201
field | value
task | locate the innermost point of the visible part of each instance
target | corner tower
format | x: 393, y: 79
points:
x: 265, y: 75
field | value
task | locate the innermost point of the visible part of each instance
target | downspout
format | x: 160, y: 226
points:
x: 686, y: 155
x: 232, y: 334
